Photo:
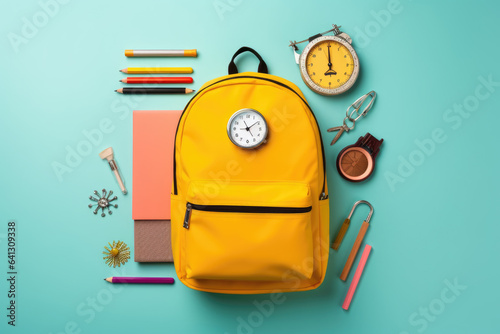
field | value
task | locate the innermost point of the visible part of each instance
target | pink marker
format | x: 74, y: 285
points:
x: 357, y: 276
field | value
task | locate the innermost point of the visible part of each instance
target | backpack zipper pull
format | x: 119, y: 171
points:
x: 187, y: 216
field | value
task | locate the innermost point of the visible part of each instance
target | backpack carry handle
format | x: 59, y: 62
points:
x: 232, y: 69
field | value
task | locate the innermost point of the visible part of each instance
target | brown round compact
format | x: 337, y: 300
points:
x: 356, y: 162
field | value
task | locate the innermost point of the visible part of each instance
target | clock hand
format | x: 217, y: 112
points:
x: 330, y: 70
x: 248, y: 128
x: 329, y: 59
x: 252, y: 124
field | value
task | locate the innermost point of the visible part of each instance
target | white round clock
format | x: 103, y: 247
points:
x: 247, y: 128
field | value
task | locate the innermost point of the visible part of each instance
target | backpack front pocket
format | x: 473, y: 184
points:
x: 248, y: 231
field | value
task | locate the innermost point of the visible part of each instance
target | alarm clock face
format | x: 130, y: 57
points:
x: 247, y: 128
x: 329, y: 65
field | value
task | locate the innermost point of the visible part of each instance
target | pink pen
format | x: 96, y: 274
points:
x: 357, y: 276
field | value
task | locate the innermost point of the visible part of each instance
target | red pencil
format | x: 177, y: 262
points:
x: 157, y: 80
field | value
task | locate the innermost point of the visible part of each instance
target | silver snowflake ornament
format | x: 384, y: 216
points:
x: 103, y: 202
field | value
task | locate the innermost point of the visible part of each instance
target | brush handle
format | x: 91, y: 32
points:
x: 354, y: 250
x: 340, y: 236
x: 120, y: 182
x: 114, y: 168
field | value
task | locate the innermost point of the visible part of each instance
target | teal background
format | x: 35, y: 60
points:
x: 437, y: 223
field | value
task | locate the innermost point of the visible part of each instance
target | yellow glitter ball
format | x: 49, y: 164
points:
x: 117, y: 254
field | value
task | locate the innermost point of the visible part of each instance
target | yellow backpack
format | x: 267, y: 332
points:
x: 249, y: 220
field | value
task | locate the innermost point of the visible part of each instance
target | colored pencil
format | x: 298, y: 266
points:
x: 148, y: 70
x: 157, y: 80
x: 357, y: 276
x: 161, y: 53
x: 153, y: 90
x: 141, y: 280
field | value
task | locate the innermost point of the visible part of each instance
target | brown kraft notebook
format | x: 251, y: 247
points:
x: 152, y: 241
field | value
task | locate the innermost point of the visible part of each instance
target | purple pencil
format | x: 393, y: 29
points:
x: 141, y: 280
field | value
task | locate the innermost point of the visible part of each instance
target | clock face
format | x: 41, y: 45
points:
x: 355, y: 164
x: 330, y: 65
x: 247, y: 128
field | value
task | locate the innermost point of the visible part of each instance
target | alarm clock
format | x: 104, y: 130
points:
x: 247, y: 128
x: 329, y: 65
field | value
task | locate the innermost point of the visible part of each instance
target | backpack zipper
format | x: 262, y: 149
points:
x: 240, y: 209
x: 323, y: 191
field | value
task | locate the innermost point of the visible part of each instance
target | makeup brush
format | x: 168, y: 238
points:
x: 108, y: 155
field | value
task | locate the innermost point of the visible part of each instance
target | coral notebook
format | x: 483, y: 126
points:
x: 153, y: 145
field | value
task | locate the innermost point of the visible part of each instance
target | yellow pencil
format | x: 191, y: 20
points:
x: 148, y: 70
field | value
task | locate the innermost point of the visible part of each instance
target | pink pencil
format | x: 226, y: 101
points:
x: 141, y: 280
x: 357, y: 276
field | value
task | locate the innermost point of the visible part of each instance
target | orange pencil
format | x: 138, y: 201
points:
x: 161, y: 53
x: 149, y: 70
